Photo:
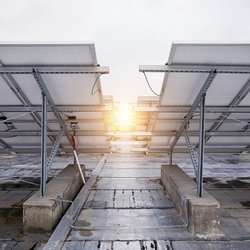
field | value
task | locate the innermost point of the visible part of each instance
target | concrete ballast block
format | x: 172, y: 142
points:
x: 41, y: 214
x: 203, y: 213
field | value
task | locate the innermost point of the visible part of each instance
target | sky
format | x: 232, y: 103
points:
x: 126, y: 33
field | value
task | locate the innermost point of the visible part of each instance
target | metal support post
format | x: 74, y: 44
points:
x: 201, y: 145
x: 43, y: 144
x: 171, y: 157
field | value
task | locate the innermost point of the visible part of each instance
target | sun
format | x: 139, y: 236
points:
x: 123, y: 118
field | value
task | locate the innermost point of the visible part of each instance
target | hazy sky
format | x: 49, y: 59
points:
x: 126, y: 33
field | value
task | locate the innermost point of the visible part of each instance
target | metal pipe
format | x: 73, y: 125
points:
x: 79, y: 166
x: 43, y: 144
x: 201, y: 145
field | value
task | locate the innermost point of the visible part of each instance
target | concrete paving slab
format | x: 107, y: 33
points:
x: 24, y: 245
x: 128, y: 224
x: 231, y: 198
x: 11, y: 223
x: 205, y: 245
x: 3, y: 195
x: 239, y: 213
x: 126, y: 173
x: 127, y: 183
x: 68, y: 245
x: 7, y: 245
x: 118, y: 245
x: 103, y: 218
x: 130, y: 159
x: 245, y: 223
x: 233, y: 229
x: 131, y: 235
x: 128, y: 199
x: 125, y: 165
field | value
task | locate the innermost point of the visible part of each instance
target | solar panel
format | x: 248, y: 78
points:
x: 66, y: 89
x: 228, y: 90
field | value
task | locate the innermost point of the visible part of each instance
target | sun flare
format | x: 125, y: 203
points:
x: 123, y: 118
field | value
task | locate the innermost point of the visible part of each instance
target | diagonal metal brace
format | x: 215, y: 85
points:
x: 189, y: 116
x: 53, y: 152
x: 234, y: 103
x: 45, y: 90
x: 191, y: 151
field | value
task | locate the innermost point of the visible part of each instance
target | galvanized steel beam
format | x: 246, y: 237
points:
x: 140, y: 110
x: 53, y: 69
x: 60, y: 108
x: 201, y: 146
x: 214, y: 150
x: 21, y: 121
x: 211, y: 149
x: 192, y: 68
x: 7, y: 134
x: 43, y: 145
x: 185, y: 109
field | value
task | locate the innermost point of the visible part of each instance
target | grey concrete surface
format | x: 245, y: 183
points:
x: 118, y: 245
x: 128, y: 183
x: 226, y: 178
x: 204, y: 245
x: 128, y: 199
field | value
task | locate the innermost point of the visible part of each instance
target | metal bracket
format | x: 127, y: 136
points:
x: 191, y: 151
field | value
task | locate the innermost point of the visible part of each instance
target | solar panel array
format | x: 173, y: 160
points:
x: 227, y: 98
x: 20, y: 97
x: 89, y: 115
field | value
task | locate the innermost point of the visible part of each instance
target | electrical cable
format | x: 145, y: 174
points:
x: 149, y: 84
x: 23, y: 114
x: 93, y: 87
x: 231, y: 118
x: 18, y: 179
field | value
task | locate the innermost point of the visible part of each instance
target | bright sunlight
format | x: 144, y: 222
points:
x: 123, y: 118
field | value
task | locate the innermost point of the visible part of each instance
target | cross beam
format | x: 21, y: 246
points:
x: 53, y: 69
x: 193, y: 133
x: 140, y: 110
x: 212, y: 149
x: 189, y: 68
